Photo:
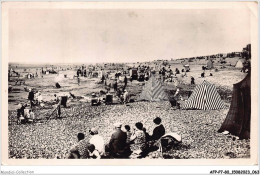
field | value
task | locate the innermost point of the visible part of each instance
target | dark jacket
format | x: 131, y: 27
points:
x: 31, y: 96
x: 20, y: 111
x: 117, y: 143
x: 158, y: 132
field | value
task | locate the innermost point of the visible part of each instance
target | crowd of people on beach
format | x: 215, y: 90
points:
x: 124, y: 142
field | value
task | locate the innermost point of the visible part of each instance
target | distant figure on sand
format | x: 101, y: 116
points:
x: 115, y: 86
x: 31, y: 97
x: 78, y: 81
x: 125, y: 81
x: 202, y: 74
x: 192, y: 80
x: 58, y: 109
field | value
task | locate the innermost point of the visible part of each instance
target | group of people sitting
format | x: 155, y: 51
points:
x: 24, y: 115
x: 121, y: 93
x: 124, y: 142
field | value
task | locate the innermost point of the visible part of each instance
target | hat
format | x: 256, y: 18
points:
x: 117, y: 125
x: 93, y: 131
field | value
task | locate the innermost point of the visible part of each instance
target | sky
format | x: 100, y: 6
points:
x: 121, y: 35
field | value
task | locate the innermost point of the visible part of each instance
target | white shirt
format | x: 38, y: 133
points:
x: 98, y: 141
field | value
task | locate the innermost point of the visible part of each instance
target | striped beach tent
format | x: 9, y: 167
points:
x: 238, y: 118
x: 153, y: 91
x: 204, y: 96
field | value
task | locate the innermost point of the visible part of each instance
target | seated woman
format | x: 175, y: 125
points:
x: 159, y: 130
x: 139, y: 141
x: 79, y: 150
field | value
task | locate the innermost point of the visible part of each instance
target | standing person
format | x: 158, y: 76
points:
x: 78, y: 80
x: 58, y: 108
x: 139, y: 139
x: 39, y: 97
x: 78, y: 72
x: 163, y: 75
x: 9, y: 75
x: 97, y: 141
x: 115, y: 86
x: 81, y: 147
x: 125, y: 81
x: 192, y: 80
x: 117, y: 146
x: 31, y: 97
x: 103, y: 79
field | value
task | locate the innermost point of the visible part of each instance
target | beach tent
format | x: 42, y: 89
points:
x: 238, y: 119
x: 239, y: 64
x: 153, y: 91
x: 204, y: 96
x: 210, y: 64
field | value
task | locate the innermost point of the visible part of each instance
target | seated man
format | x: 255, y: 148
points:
x: 117, y: 146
